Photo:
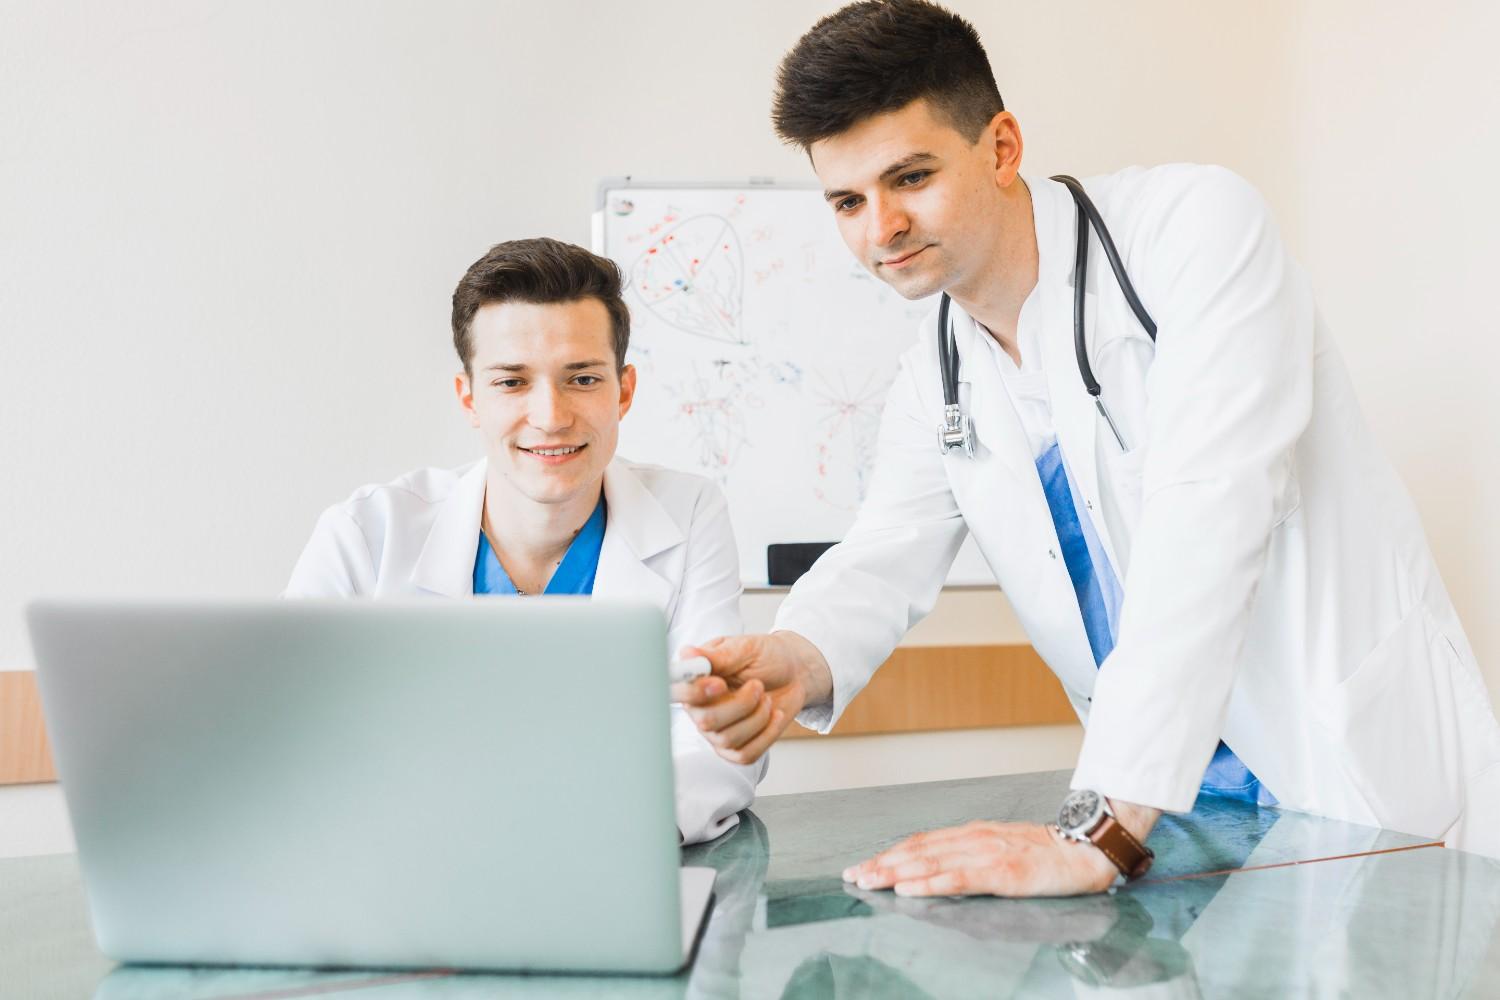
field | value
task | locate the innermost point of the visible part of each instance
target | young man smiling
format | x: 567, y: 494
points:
x: 542, y: 331
x: 1223, y: 570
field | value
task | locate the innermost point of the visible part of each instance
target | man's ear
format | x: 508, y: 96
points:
x: 463, y: 386
x: 1004, y: 133
x: 627, y: 389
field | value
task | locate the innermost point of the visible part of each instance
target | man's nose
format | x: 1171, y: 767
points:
x: 547, y: 408
x: 888, y: 222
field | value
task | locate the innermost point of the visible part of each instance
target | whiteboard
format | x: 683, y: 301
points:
x: 764, y: 353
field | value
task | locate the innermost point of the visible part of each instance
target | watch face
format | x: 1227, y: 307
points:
x: 1079, y: 811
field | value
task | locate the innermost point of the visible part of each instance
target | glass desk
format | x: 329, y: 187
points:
x: 1412, y: 921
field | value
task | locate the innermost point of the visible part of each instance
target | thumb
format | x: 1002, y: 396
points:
x: 702, y: 649
x: 726, y: 655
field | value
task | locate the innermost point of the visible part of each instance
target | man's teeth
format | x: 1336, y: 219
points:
x: 555, y: 451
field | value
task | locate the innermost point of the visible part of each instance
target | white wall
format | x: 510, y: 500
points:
x: 230, y: 231
x: 228, y: 235
x: 1396, y: 153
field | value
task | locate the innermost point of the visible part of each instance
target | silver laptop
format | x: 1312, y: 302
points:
x: 474, y: 785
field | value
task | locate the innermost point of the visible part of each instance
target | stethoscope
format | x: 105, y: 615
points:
x: 957, y: 430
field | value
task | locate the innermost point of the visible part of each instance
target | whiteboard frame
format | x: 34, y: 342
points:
x: 626, y: 180
x: 596, y: 219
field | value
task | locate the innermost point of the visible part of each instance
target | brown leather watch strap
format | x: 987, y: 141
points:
x: 1122, y: 849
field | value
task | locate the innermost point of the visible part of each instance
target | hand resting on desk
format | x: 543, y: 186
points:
x: 985, y: 858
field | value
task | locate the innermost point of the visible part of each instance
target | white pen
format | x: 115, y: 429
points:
x: 683, y: 671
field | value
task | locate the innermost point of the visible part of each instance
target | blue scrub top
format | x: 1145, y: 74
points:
x: 574, y: 576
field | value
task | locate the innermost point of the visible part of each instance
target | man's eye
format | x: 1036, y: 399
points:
x: 846, y: 204
x: 915, y: 177
x: 588, y: 380
x: 506, y: 383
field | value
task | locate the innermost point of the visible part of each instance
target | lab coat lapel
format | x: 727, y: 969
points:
x: 446, y: 565
x: 638, y: 528
x: 1001, y: 496
x: 996, y: 426
x: 1008, y: 498
x: 1074, y: 416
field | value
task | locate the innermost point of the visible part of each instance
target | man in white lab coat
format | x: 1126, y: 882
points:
x: 542, y: 330
x: 1225, y: 573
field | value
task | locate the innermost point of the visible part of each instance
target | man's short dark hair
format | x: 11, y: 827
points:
x: 539, y: 271
x: 877, y: 56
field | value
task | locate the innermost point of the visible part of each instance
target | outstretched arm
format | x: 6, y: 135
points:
x: 843, y: 618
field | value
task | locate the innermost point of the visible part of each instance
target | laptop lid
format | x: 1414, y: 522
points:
x: 482, y: 784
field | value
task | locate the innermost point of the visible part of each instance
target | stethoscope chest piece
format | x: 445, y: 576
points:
x: 957, y: 431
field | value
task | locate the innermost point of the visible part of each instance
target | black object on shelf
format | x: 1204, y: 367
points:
x: 785, y: 563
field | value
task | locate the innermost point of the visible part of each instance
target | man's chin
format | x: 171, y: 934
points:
x: 557, y: 489
x: 911, y: 285
x: 914, y: 288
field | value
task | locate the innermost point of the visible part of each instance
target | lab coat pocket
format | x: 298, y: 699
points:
x: 1397, y: 724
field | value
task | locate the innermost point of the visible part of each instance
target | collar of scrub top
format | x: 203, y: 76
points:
x: 575, y: 575
x: 639, y: 529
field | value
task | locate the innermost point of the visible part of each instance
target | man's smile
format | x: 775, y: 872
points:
x: 553, y: 454
x: 896, y: 263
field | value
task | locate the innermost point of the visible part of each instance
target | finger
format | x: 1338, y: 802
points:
x: 688, y: 652
x: 700, y: 691
x: 1016, y: 870
x: 959, y: 882
x: 727, y: 655
x: 742, y: 732
x: 931, y: 838
x: 946, y: 840
x: 751, y: 752
x: 884, y: 876
x: 974, y: 842
x: 729, y: 709
x: 885, y: 869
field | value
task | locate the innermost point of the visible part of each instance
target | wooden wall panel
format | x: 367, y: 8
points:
x: 924, y: 688
x: 24, y: 757
x: 920, y: 688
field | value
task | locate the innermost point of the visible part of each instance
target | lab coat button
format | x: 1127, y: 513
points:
x: 1052, y: 553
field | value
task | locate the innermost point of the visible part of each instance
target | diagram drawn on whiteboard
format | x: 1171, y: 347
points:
x: 715, y: 399
x: 692, y: 277
x: 849, y: 423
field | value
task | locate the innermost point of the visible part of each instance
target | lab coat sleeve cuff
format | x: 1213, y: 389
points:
x: 821, y: 718
x: 818, y: 718
x: 1168, y: 792
x: 710, y: 790
x: 710, y: 794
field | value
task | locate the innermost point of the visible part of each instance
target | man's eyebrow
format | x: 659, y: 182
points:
x: 900, y: 166
x: 572, y: 366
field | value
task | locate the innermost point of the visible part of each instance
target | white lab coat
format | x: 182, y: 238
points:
x: 1279, y: 591
x: 667, y: 540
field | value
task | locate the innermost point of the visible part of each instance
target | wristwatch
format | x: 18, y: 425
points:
x: 1086, y: 817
